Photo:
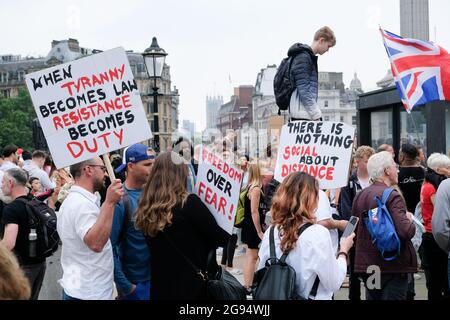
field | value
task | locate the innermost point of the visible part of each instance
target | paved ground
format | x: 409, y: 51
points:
x: 342, y: 294
x: 51, y: 290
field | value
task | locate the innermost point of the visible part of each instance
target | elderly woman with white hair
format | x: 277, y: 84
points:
x: 434, y: 259
x: 393, y: 285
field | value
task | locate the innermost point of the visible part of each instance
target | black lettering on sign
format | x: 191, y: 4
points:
x: 220, y: 182
x: 127, y: 87
x: 52, y: 78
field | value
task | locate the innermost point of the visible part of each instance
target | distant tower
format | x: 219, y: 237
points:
x: 355, y: 84
x: 414, y: 23
x: 414, y: 19
x: 212, y: 109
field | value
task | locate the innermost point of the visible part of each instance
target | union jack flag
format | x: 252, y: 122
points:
x: 421, y: 69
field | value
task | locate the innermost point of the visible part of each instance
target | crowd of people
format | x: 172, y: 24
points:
x: 146, y: 234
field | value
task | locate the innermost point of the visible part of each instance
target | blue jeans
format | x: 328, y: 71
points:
x: 67, y: 297
x: 142, y: 292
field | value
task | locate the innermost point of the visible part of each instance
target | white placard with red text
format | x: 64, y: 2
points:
x: 88, y: 107
x: 218, y: 186
x: 322, y: 149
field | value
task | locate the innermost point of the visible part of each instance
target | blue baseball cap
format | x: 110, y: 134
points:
x: 134, y: 153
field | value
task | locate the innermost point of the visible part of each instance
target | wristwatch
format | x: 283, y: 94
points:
x: 342, y: 253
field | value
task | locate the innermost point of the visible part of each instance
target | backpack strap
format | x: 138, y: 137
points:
x: 313, y: 292
x: 384, y: 198
x: 30, y: 215
x: 315, y: 287
x: 273, y: 256
x: 386, y: 194
x: 197, y: 270
x: 127, y: 216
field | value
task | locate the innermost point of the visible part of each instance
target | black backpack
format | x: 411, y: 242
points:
x: 276, y: 281
x: 283, y: 85
x: 42, y: 218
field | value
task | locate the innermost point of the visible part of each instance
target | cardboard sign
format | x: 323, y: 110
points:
x: 321, y: 149
x: 88, y: 107
x: 218, y: 186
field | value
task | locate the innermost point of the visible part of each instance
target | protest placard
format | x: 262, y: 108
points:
x: 321, y: 149
x: 88, y: 107
x: 218, y: 186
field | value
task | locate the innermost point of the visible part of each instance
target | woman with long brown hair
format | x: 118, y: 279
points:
x: 252, y: 229
x: 177, y: 225
x: 311, y: 254
x: 14, y: 285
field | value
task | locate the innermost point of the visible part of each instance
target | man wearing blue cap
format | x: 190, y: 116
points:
x: 131, y: 254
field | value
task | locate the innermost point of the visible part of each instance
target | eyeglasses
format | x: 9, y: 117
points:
x: 98, y: 165
x: 396, y: 166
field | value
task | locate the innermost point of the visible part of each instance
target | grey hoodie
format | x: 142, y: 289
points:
x: 441, y: 216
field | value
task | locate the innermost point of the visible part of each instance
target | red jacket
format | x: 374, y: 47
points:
x: 366, y: 254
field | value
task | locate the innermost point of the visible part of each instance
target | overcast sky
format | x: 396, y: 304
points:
x: 211, y: 42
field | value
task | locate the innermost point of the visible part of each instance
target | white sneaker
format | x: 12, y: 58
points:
x: 235, y: 271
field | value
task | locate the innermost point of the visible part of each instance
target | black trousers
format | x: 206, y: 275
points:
x: 354, y: 285
x: 436, y: 268
x: 228, y: 252
x: 35, y: 274
x: 393, y: 286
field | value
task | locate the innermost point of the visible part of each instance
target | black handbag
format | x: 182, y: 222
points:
x: 220, y: 284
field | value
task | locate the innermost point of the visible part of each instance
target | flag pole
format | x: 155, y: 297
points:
x: 415, y: 128
x: 402, y: 87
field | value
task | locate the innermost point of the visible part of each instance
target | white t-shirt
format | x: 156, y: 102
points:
x: 8, y: 165
x: 364, y: 183
x: 324, y: 212
x: 312, y: 255
x: 34, y: 171
x: 87, y: 275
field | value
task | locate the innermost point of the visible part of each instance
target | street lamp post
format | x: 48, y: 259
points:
x: 154, y: 58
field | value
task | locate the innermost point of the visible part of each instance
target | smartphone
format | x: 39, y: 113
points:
x: 351, y: 226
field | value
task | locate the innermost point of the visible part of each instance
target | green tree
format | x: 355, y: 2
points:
x: 16, y: 116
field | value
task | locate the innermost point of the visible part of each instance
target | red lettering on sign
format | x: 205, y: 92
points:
x: 321, y: 172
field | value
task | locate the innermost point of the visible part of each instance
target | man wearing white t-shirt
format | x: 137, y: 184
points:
x: 84, y: 228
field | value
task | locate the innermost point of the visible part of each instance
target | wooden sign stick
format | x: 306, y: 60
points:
x: 109, y: 167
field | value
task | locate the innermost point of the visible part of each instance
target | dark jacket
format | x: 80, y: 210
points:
x: 348, y: 194
x: 304, y: 74
x: 366, y: 253
x: 195, y: 232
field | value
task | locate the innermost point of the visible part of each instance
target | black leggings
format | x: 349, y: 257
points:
x: 228, y: 252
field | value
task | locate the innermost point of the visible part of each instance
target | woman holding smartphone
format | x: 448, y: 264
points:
x: 311, y: 254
